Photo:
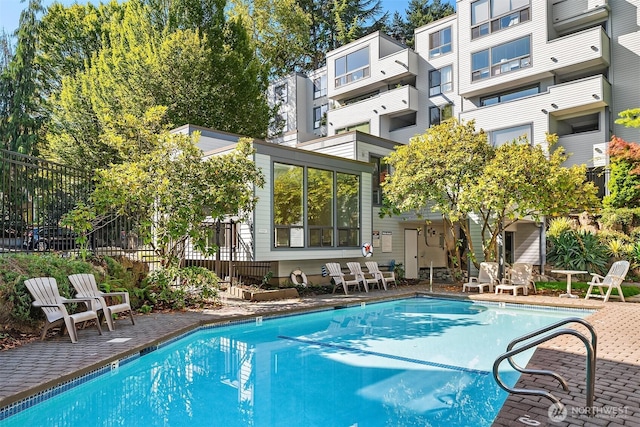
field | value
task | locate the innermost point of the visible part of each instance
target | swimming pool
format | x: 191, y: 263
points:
x: 413, y: 362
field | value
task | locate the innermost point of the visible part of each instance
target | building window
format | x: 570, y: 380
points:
x: 441, y: 80
x: 348, y: 209
x: 501, y: 59
x: 489, y: 16
x: 362, y: 127
x: 440, y: 42
x: 280, y: 94
x: 382, y: 169
x: 320, y: 86
x: 288, y: 193
x: 320, y: 207
x: 439, y: 114
x: 352, y: 67
x: 509, y: 96
x: 503, y: 136
x: 312, y: 206
x: 320, y: 116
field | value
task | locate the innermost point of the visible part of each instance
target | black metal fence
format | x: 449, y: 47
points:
x: 35, y: 194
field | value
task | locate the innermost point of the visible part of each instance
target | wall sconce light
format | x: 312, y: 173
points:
x: 404, y: 101
x: 384, y: 107
x: 554, y: 59
x: 402, y: 63
x: 598, y: 150
x: 595, y: 96
x: 383, y: 72
x: 544, y: 111
x: 331, y: 123
x: 554, y: 105
x: 375, y: 111
x: 593, y: 48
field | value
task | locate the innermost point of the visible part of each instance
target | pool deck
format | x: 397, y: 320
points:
x: 37, y: 366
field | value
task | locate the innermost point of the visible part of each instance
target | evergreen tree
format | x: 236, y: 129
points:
x: 21, y: 114
x: 418, y: 13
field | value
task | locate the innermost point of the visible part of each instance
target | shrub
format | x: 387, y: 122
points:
x: 559, y: 225
x: 178, y: 288
x: 578, y: 251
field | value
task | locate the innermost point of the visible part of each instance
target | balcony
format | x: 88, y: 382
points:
x: 396, y: 101
x: 576, y: 96
x: 380, y: 73
x: 571, y: 14
x: 584, y: 49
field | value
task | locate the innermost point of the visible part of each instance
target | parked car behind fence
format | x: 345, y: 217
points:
x: 49, y: 238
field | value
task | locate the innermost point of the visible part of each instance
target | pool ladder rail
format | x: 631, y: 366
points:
x: 591, y: 360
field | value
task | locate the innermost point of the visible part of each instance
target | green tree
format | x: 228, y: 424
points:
x: 21, y: 112
x: 452, y: 169
x: 279, y: 32
x: 418, y: 13
x: 173, y: 191
x: 145, y: 69
x: 434, y: 171
x: 629, y: 118
x: 521, y: 181
x: 337, y: 22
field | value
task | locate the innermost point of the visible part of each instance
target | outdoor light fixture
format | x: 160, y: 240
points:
x: 554, y: 59
x: 595, y: 96
x: 544, y: 111
x: 593, y: 48
x: 554, y: 105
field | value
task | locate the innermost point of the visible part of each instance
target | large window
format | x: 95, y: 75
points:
x: 440, y: 42
x: 439, y: 114
x: 382, y: 169
x: 352, y: 67
x: 348, y: 209
x: 312, y: 206
x: 288, y: 207
x: 489, y: 16
x: 320, y: 207
x: 501, y: 59
x: 509, y: 96
x: 441, y: 80
x: 320, y: 115
x: 320, y: 86
x: 503, y: 136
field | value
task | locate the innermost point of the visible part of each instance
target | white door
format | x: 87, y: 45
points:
x: 411, y: 254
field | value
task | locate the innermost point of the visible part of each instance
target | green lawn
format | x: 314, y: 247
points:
x: 561, y: 287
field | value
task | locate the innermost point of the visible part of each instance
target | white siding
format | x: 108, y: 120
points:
x: 527, y: 243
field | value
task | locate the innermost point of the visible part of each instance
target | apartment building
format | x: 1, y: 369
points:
x: 516, y: 67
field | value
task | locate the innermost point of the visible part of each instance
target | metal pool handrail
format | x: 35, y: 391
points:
x: 591, y: 346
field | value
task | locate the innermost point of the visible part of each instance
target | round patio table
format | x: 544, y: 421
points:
x: 569, y: 273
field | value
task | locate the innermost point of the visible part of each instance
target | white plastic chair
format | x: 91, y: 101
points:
x: 356, y: 270
x: 86, y: 287
x: 613, y: 279
x: 386, y: 277
x: 519, y: 277
x: 47, y: 296
x: 487, y: 277
x: 339, y: 278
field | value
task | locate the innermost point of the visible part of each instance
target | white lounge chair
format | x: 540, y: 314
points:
x: 47, y: 296
x: 487, y: 278
x: 339, y: 278
x: 356, y: 270
x: 613, y: 279
x: 86, y: 287
x: 386, y: 277
x: 519, y: 277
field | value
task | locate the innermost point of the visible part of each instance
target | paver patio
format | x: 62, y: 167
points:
x: 40, y: 365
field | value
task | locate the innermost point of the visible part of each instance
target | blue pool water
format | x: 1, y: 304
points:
x: 414, y: 362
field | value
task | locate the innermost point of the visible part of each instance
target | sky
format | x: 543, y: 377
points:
x: 10, y: 10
